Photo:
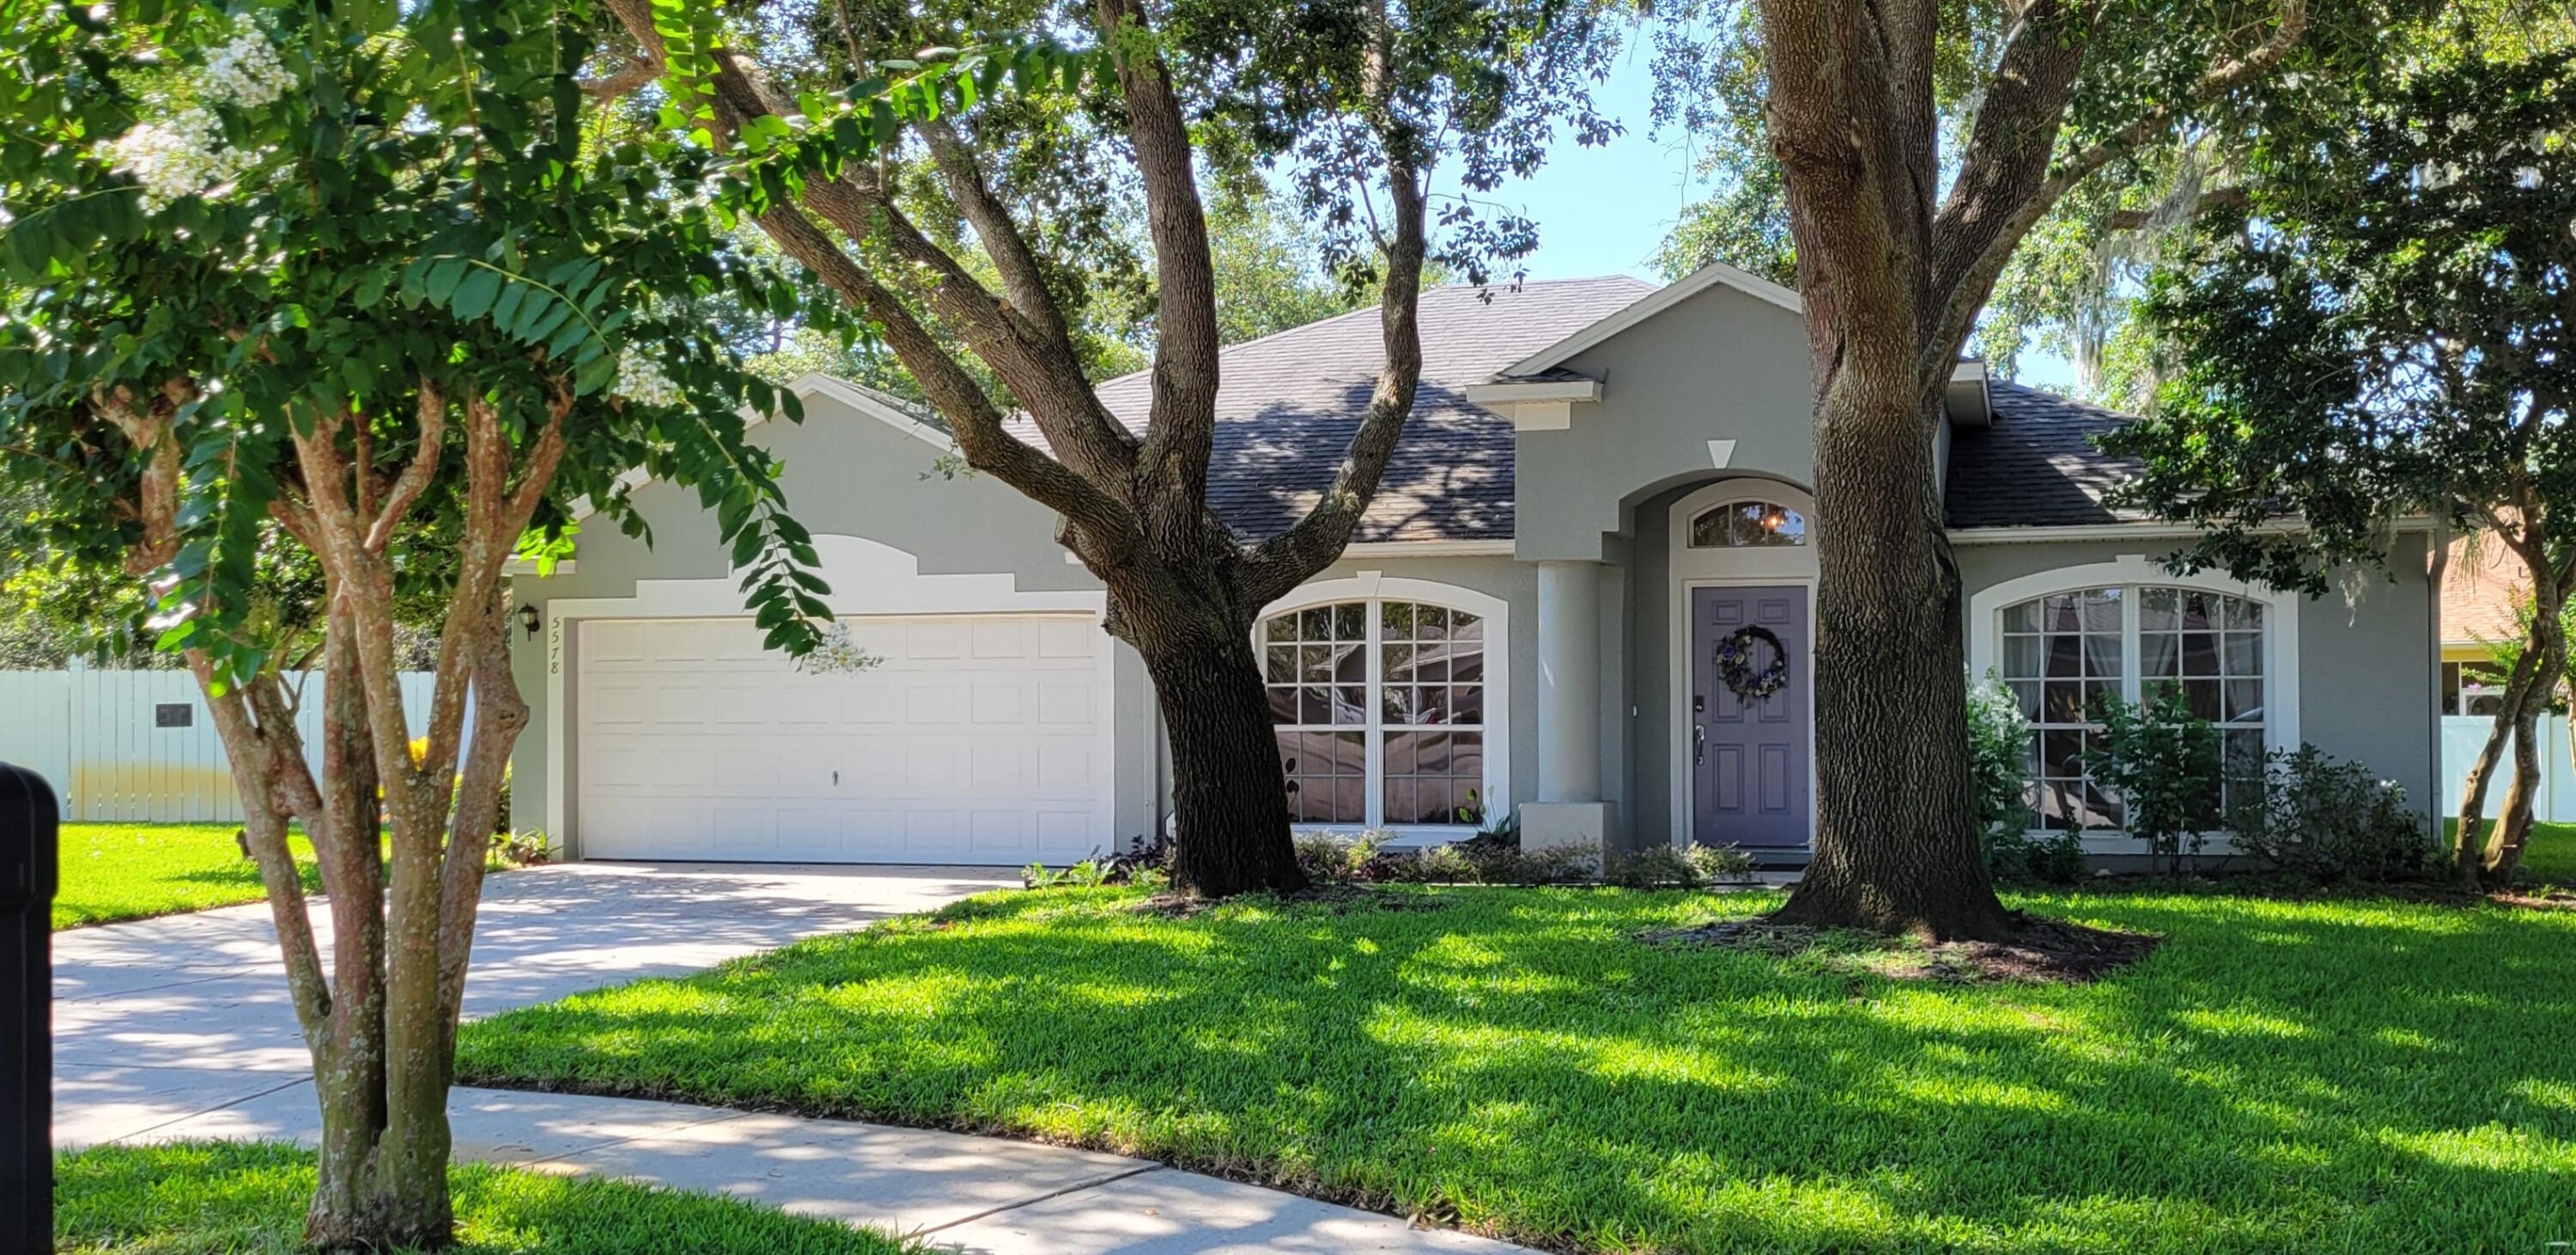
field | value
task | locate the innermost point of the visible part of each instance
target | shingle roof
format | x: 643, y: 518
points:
x: 2035, y: 465
x: 1288, y: 403
x: 2484, y: 592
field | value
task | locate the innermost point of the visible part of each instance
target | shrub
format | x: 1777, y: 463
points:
x: 2165, y: 763
x: 2330, y: 819
x: 522, y: 849
x: 2015, y: 856
x: 1659, y: 866
x: 1721, y: 864
x: 1998, y: 758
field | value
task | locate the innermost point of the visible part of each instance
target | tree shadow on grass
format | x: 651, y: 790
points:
x: 2317, y: 1075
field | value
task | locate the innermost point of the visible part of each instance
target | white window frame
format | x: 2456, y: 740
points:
x: 2131, y: 573
x: 1374, y: 587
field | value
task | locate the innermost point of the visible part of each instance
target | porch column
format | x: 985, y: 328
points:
x: 1569, y: 809
x: 1569, y: 681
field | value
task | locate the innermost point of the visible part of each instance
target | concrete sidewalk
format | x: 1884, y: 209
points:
x: 179, y: 1028
x: 969, y: 1194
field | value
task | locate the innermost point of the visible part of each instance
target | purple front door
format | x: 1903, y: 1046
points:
x: 1748, y: 754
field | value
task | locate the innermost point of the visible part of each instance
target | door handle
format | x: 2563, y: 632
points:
x: 836, y: 779
x: 1699, y: 743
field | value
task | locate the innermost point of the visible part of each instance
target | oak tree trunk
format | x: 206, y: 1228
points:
x: 1895, y: 848
x: 1229, y: 791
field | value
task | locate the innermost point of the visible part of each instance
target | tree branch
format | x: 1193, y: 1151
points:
x: 1280, y: 564
x: 1987, y: 218
x: 1173, y: 465
x: 416, y: 476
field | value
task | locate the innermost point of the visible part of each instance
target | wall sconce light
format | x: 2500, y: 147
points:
x: 528, y: 619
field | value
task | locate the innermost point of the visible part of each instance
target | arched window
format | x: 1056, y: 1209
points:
x: 1747, y: 525
x: 2063, y: 651
x: 1380, y: 706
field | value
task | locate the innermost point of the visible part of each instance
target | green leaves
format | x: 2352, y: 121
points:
x: 472, y: 243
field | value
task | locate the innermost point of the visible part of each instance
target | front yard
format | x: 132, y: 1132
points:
x: 129, y: 871
x: 2337, y: 1074
x: 248, y: 1198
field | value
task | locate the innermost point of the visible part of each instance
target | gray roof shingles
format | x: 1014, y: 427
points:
x: 2036, y: 466
x: 1288, y: 403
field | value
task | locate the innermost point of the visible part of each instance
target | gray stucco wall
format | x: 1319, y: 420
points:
x: 846, y: 473
x: 2367, y: 675
x: 1721, y: 365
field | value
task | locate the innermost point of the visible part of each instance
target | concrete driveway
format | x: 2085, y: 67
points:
x: 159, y: 1020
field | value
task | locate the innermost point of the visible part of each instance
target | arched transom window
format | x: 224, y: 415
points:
x: 1748, y: 525
x: 1380, y: 710
x: 2062, y: 652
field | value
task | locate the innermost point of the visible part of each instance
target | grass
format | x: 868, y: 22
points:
x: 131, y: 871
x: 2549, y: 857
x: 248, y: 1198
x: 2339, y: 1074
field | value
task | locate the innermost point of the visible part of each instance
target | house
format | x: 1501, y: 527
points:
x: 2482, y: 593
x: 1602, y: 487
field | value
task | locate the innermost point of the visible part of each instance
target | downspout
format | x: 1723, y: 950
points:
x: 2440, y: 566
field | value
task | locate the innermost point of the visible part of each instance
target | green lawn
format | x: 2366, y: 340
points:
x: 2354, y: 1075
x: 128, y: 871
x: 241, y: 1198
x: 2549, y: 858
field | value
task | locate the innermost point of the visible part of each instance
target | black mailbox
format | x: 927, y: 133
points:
x: 29, y: 829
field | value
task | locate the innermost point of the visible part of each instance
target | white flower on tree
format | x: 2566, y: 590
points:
x: 640, y: 379
x: 180, y: 155
x: 245, y: 72
x: 837, y: 654
x: 183, y: 153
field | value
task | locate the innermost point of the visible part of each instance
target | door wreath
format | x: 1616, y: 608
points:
x: 1735, y: 665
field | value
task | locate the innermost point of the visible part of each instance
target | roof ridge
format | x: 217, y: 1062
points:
x: 1379, y: 308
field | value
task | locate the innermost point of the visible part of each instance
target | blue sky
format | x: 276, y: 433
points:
x: 1604, y: 210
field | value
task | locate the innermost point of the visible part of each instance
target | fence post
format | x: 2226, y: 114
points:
x: 29, y: 830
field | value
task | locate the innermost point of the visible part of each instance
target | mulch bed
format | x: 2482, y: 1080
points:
x: 2042, y: 951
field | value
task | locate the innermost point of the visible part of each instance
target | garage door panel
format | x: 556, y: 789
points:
x: 931, y: 639
x: 868, y: 700
x: 975, y: 739
x: 745, y: 830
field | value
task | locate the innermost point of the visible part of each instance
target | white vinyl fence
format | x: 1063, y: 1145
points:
x: 136, y: 746
x: 2464, y: 735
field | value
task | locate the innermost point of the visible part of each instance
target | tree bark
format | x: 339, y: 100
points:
x: 1896, y: 849
x: 1229, y: 792
x: 1134, y: 509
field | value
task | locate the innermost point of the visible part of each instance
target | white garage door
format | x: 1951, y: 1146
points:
x: 977, y: 739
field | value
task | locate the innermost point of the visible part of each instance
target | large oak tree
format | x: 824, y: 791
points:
x: 942, y: 221
x: 1899, y: 244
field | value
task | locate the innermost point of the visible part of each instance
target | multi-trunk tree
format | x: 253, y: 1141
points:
x: 1899, y: 244
x: 2386, y: 332
x: 942, y: 220
x: 343, y: 284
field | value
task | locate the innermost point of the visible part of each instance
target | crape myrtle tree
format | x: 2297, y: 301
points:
x: 2388, y: 329
x: 940, y: 215
x: 343, y: 278
x: 1899, y: 242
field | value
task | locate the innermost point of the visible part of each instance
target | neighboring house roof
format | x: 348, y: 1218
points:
x: 2035, y: 465
x: 2485, y: 584
x: 1288, y: 403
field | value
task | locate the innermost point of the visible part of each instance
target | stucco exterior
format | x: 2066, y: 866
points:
x: 1697, y: 403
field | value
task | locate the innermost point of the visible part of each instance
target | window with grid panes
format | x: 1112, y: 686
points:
x: 1379, y: 707
x: 2062, y: 652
